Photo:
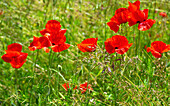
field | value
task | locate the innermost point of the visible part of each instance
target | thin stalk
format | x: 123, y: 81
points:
x: 115, y: 88
x: 16, y: 86
x: 154, y: 10
x: 34, y: 66
x: 139, y: 53
x: 49, y: 75
x: 88, y: 78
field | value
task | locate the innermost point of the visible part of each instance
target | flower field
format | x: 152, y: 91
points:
x: 84, y: 53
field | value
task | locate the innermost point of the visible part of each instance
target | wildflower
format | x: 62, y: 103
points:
x: 121, y: 16
x: 163, y: 14
x: 14, y: 56
x: 118, y: 44
x: 84, y: 87
x: 39, y: 43
x: 66, y: 86
x: 157, y: 48
x: 140, y: 16
x: 56, y: 35
x: 88, y: 45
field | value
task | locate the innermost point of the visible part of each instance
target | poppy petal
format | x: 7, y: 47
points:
x: 12, y: 53
x: 108, y: 46
x: 57, y: 39
x: 47, y: 50
x: 166, y: 49
x: 123, y: 49
x: 44, y: 41
x: 62, y: 31
x: 53, y: 26
x: 120, y: 10
x: 83, y: 87
x: 156, y: 54
x: 7, y: 58
x: 17, y: 62
x: 134, y: 6
x: 148, y: 49
x: 60, y: 47
x: 145, y: 11
x: 113, y: 26
x: 145, y: 25
x: 137, y: 16
x: 15, y: 47
x: 44, y: 31
x: 21, y: 58
x: 90, y: 41
x: 14, y: 65
x: 35, y: 44
x: 66, y: 86
x: 88, y: 45
x: 159, y: 46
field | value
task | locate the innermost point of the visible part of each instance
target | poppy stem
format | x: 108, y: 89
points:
x: 34, y: 66
x: 115, y: 87
x: 154, y: 10
x: 49, y: 76
x: 16, y: 86
x: 139, y: 44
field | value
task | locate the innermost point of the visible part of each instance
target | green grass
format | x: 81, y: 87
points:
x: 135, y: 80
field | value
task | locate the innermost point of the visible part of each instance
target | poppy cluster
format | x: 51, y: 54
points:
x: 82, y: 87
x: 14, y: 56
x: 157, y: 48
x: 53, y: 36
x: 133, y: 15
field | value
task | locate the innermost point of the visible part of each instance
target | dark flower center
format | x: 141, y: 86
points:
x: 138, y: 22
x: 116, y: 47
x: 53, y: 43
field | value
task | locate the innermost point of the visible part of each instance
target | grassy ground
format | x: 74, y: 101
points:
x: 137, y: 79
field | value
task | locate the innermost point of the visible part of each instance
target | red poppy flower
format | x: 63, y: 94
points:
x: 158, y: 47
x: 66, y: 86
x: 118, y: 44
x: 14, y: 56
x: 140, y: 17
x: 121, y: 16
x: 163, y: 14
x: 88, y: 45
x: 84, y: 87
x: 56, y: 35
x: 39, y: 43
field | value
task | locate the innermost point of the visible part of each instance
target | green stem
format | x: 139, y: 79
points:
x: 139, y: 53
x: 34, y: 66
x: 49, y: 75
x: 16, y: 86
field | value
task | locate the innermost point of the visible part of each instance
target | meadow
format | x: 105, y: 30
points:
x: 134, y: 78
